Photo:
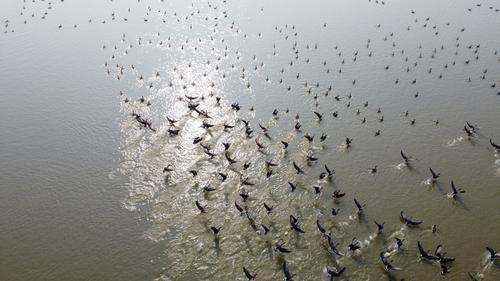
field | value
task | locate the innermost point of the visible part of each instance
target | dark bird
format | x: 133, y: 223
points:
x: 244, y: 196
x: 354, y: 245
x: 264, y: 129
x: 493, y: 254
x: 472, y: 127
x: 359, y: 206
x: 168, y: 169
x: 285, y: 144
x: 320, y: 227
x: 323, y: 137
x: 441, y: 254
x: 247, y: 182
x: 348, y: 141
x: 338, y: 194
x: 270, y: 163
x: 286, y: 272
x: 388, y: 264
x: 406, y: 158
x: 330, y: 172
x: 311, y: 158
x: 319, y: 115
x: 279, y: 247
x: 332, y: 249
x: 297, y: 168
x: 424, y: 254
x: 265, y: 228
x: 434, y: 174
x: 239, y: 208
x: 249, y: 275
x: 495, y: 146
x: 292, y: 186
x: 455, y: 191
x: 444, y: 268
x: 469, y: 132
x: 268, y: 208
x: 201, y: 208
x: 309, y: 137
x: 216, y: 229
x: 333, y: 272
x: 317, y: 189
x: 228, y: 157
x: 399, y: 242
x: 295, y: 224
x: 408, y: 221
x: 227, y: 126
x: 380, y: 227
x: 223, y: 176
x: 208, y: 188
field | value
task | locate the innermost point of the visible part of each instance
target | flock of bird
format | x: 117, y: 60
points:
x: 245, y: 153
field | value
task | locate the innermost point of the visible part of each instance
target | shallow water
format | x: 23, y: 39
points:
x: 83, y: 191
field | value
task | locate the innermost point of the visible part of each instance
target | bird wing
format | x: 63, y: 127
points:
x: 357, y: 204
x: 432, y: 172
x: 403, y: 155
x: 492, y: 252
x: 453, y: 187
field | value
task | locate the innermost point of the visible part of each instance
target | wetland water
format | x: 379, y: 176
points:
x: 115, y: 116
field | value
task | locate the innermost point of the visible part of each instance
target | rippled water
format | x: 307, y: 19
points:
x: 84, y: 190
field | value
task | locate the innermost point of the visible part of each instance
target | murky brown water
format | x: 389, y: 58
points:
x: 84, y: 190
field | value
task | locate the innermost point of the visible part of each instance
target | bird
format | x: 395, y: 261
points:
x: 424, y: 254
x: 405, y: 158
x: 215, y: 230
x: 338, y: 194
x: 359, y: 206
x: 444, y: 268
x: 239, y: 208
x: 388, y: 264
x: 354, y: 245
x: 249, y: 275
x: 319, y: 115
x: 279, y: 247
x: 332, y: 249
x: 380, y: 226
x: 286, y: 272
x: 294, y: 224
x: 268, y: 208
x: 455, y: 191
x: 441, y: 254
x: 329, y: 171
x: 297, y: 168
x: 265, y: 228
x: 201, y: 208
x: 469, y: 132
x: 334, y: 272
x: 348, y: 141
x: 493, y: 254
x: 399, y: 242
x: 408, y: 221
x: 495, y: 146
x: 320, y: 227
x: 435, y: 175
